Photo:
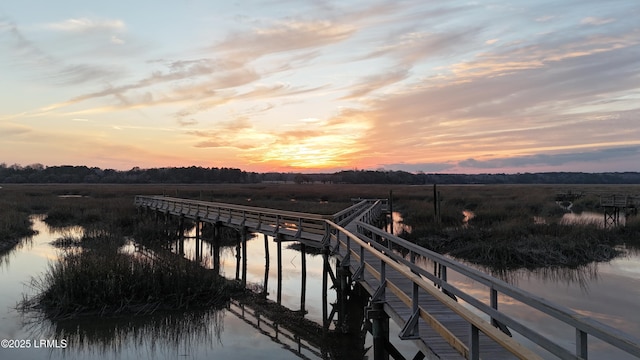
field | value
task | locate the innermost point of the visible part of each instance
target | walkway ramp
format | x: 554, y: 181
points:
x: 423, y: 303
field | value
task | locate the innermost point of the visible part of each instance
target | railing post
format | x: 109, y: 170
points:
x: 581, y: 344
x: 348, y: 255
x: 493, y: 302
x: 474, y: 343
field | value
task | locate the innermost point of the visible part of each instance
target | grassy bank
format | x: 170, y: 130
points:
x: 100, y: 280
x: 93, y: 276
x: 14, y: 219
x: 516, y: 226
x: 513, y: 225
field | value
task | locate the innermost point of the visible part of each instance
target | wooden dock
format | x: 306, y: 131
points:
x: 446, y: 334
x: 615, y: 204
x: 422, y: 303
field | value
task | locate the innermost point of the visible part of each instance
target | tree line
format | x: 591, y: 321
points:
x: 38, y: 173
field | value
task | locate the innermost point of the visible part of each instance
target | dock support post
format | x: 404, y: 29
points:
x: 379, y: 329
x: 238, y: 256
x: 325, y: 286
x: 303, y: 291
x: 215, y: 249
x: 243, y: 234
x: 342, y: 271
x: 181, y: 236
x: 198, y: 244
x: 611, y: 216
x: 265, y: 285
x: 279, y: 243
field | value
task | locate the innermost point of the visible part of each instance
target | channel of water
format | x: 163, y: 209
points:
x: 217, y: 334
x: 608, y: 292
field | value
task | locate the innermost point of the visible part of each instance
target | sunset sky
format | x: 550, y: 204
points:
x: 433, y: 86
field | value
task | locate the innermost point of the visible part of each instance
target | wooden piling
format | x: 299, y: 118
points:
x: 379, y: 330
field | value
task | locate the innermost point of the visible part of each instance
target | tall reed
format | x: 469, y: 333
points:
x: 102, y: 282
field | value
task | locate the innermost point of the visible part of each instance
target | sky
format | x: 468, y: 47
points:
x: 322, y: 86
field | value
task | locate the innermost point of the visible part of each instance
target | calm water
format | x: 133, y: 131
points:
x: 608, y: 292
x: 219, y: 334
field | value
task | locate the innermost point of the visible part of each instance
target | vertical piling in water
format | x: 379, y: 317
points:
x: 181, y: 236
x: 265, y: 285
x: 243, y: 234
x: 343, y: 289
x: 379, y: 330
x: 279, y: 243
x: 325, y: 287
x: 215, y: 249
x: 238, y: 256
x: 303, y: 290
x: 198, y: 244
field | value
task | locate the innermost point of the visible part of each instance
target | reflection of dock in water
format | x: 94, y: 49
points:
x: 303, y: 343
x: 302, y: 337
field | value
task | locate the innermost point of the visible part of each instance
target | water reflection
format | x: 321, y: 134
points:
x: 153, y: 335
x: 468, y: 215
x: 605, y: 291
x: 399, y: 227
x: 581, y: 276
x: 209, y: 334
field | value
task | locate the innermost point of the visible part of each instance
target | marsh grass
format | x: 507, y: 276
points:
x: 101, y: 281
x: 14, y: 219
x: 517, y: 227
x: 503, y: 232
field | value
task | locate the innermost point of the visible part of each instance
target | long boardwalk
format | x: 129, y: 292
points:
x: 430, y: 342
x: 423, y: 304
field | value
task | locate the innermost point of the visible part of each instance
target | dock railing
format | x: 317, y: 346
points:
x: 289, y: 223
x: 392, y: 249
x: 346, y: 240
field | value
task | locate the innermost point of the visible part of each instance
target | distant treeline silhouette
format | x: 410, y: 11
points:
x: 38, y: 173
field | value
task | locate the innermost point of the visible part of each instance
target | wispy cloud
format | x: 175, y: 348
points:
x: 596, y: 21
x: 283, y: 36
x: 9, y: 129
x: 59, y: 71
x: 593, y: 156
x: 376, y: 82
x: 86, y: 24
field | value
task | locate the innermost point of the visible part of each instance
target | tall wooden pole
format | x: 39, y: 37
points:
x: 303, y: 292
x: 267, y: 260
x: 391, y: 211
x: 436, y: 204
x: 279, y: 295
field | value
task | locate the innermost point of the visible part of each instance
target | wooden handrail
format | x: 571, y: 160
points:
x: 253, y: 209
x: 580, y: 322
x: 505, y: 341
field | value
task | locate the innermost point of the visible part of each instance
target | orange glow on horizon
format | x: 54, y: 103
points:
x: 322, y: 152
